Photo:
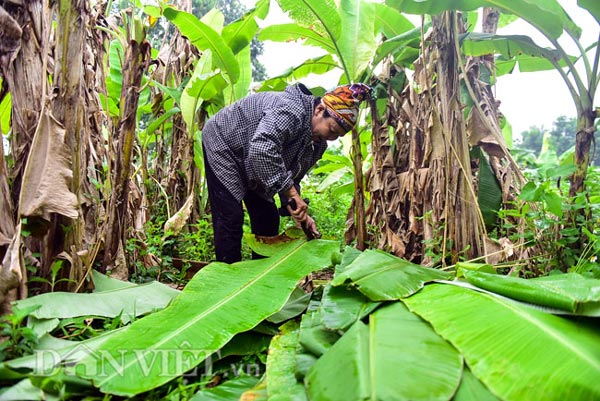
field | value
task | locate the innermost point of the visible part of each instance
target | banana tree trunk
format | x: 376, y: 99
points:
x: 583, y: 142
x: 466, y: 240
x: 66, y: 234
x: 356, y: 222
x: 181, y: 166
x: 24, y: 30
x: 137, y: 57
x: 422, y: 187
x: 9, y: 277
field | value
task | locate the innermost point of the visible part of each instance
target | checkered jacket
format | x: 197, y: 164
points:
x: 263, y: 142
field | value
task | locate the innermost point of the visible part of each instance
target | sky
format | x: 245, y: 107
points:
x: 527, y: 99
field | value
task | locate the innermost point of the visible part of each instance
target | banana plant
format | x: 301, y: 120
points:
x: 550, y: 19
x: 223, y: 73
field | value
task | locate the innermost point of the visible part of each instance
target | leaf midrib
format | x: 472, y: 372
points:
x: 207, y: 312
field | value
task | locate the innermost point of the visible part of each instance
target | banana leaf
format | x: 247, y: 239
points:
x: 384, y: 277
x: 519, y: 353
x: 547, y: 16
x: 471, y: 389
x: 314, y: 337
x: 397, y: 356
x: 239, y: 34
x: 248, y: 343
x: 256, y: 393
x: 293, y: 31
x: 5, y: 112
x: 318, y: 15
x: 104, y: 283
x: 570, y: 292
x: 220, y: 301
x: 341, y: 307
x: 26, y: 391
x: 128, y: 302
x: 318, y: 65
x: 528, y: 55
x: 242, y: 87
x: 593, y: 6
x: 281, y: 366
x: 399, y: 46
x: 205, y: 38
x: 390, y: 21
x: 41, y: 326
x: 231, y: 390
x: 295, y: 305
x: 357, y: 43
x: 489, y: 194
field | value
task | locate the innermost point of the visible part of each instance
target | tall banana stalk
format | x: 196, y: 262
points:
x: 137, y: 58
x: 550, y: 19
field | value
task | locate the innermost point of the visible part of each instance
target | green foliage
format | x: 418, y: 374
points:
x: 552, y: 219
x: 155, y: 254
x: 17, y: 338
x: 328, y: 209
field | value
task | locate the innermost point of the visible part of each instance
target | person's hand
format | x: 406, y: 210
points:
x: 298, y: 212
x: 312, y: 226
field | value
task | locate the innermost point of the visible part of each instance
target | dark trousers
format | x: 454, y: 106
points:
x: 228, y: 217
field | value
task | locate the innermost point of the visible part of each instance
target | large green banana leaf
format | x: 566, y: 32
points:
x: 104, y: 283
x: 348, y: 32
x: 384, y: 277
x: 239, y: 34
x: 314, y: 337
x: 357, y: 43
x: 317, y: 65
x: 472, y: 389
x: 547, y: 16
x: 241, y: 87
x: 396, y: 357
x: 204, y: 85
x: 519, y: 353
x: 390, y: 21
x: 318, y: 15
x: 527, y: 54
x: 489, y: 192
x: 257, y: 393
x: 128, y: 302
x: 281, y: 366
x: 295, y: 305
x: 340, y: 307
x: 593, y: 6
x: 219, y: 302
x: 293, y: 31
x: 205, y: 38
x: 570, y: 292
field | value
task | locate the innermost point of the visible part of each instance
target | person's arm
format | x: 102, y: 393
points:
x: 266, y: 148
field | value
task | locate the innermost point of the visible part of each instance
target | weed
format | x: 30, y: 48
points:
x: 18, y: 339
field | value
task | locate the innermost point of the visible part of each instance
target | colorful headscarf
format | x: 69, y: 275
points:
x: 342, y: 103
